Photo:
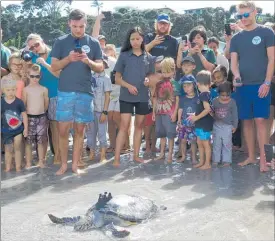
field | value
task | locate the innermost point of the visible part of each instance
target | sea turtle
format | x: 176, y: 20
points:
x: 121, y: 210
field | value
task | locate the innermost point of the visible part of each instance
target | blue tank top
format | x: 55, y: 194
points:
x: 48, y: 80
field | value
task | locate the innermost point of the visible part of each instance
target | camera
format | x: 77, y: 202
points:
x: 227, y: 29
x: 27, y: 55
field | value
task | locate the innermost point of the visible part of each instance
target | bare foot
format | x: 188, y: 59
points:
x: 92, y: 155
x: 181, y: 160
x: 138, y: 159
x: 110, y: 150
x: 198, y: 165
x: 160, y: 157
x: 170, y: 160
x: 77, y: 171
x: 62, y: 170
x: 194, y: 162
x: 56, y: 161
x: 7, y: 170
x: 264, y: 168
x: 28, y: 165
x: 205, y: 167
x: 81, y: 164
x: 103, y: 160
x: 246, y: 162
x: 41, y: 164
x: 116, y: 163
x: 226, y: 164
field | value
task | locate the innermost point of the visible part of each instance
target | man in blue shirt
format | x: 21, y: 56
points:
x: 75, y: 54
x: 252, y: 59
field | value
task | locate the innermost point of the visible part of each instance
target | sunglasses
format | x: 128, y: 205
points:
x: 17, y: 65
x: 245, y: 15
x: 36, y: 45
x: 225, y: 95
x: 35, y: 76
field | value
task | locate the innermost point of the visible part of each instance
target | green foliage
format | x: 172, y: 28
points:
x: 44, y: 17
x: 96, y: 4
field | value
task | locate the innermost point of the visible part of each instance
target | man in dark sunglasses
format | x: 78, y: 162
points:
x: 252, y: 62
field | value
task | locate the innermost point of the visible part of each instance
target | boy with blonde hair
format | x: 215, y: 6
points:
x: 14, y: 122
x: 165, y: 106
x: 36, y: 100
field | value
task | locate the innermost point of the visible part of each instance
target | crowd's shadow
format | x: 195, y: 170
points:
x: 28, y: 182
x: 231, y: 183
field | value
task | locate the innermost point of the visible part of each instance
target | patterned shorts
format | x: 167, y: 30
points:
x: 74, y: 107
x: 37, y: 129
x: 187, y: 133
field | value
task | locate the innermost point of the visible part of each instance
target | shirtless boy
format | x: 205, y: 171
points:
x: 36, y: 100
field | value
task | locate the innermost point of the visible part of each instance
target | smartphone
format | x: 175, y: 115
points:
x: 78, y: 50
x: 227, y: 29
x: 107, y: 15
x: 193, y: 45
x: 184, y: 39
x: 269, y: 152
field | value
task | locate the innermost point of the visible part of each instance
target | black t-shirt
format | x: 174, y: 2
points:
x: 168, y: 48
x: 205, y: 123
x: 11, y: 118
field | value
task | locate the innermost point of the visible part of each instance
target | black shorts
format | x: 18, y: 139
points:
x: 273, y: 94
x: 141, y: 108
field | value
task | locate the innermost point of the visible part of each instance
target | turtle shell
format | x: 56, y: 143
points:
x: 130, y: 208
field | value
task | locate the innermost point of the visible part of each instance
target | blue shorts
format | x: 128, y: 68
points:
x: 74, y: 107
x: 250, y: 105
x: 202, y: 134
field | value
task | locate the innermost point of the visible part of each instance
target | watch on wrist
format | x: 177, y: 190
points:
x: 105, y: 112
x: 268, y: 83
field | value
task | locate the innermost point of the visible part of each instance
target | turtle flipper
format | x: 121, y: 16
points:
x: 116, y: 233
x: 65, y: 220
x: 83, y: 225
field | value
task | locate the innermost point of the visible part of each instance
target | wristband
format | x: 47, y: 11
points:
x: 268, y: 83
x: 105, y: 112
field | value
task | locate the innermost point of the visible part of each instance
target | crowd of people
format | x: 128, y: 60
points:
x: 177, y: 89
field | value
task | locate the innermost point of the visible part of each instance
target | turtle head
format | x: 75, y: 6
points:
x: 103, y: 199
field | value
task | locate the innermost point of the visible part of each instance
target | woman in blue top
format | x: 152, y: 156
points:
x: 49, y: 79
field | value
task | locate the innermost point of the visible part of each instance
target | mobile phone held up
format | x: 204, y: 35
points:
x: 78, y: 50
x: 184, y: 39
x: 227, y: 29
x: 107, y: 15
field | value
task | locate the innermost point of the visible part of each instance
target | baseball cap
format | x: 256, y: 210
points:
x: 101, y: 37
x: 157, y: 59
x: 187, y: 79
x: 188, y: 59
x: 163, y: 17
